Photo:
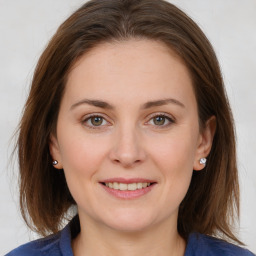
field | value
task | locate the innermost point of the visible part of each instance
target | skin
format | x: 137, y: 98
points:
x: 130, y: 143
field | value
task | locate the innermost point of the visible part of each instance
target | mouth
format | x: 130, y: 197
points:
x: 127, y: 189
x: 127, y: 186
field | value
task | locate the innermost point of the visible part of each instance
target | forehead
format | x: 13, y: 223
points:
x: 126, y: 68
x: 145, y: 55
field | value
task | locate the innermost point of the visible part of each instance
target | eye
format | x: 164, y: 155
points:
x: 161, y: 120
x: 94, y: 121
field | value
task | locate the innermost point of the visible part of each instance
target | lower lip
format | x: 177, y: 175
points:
x: 128, y: 194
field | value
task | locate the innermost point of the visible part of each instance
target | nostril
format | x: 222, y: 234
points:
x: 127, y: 152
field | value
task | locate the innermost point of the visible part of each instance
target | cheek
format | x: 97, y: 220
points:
x: 82, y: 155
x: 174, y: 157
x: 174, y: 153
x: 82, y: 158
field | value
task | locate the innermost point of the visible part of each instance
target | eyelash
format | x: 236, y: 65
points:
x: 167, y: 117
x: 87, y: 118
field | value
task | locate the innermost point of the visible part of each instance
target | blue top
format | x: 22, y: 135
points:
x: 60, y: 245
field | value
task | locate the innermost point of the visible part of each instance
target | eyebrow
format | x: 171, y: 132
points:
x: 149, y: 104
x: 96, y: 103
x: 162, y: 102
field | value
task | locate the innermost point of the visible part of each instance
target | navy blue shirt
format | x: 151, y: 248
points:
x: 60, y: 245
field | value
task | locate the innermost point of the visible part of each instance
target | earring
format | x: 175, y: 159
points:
x: 55, y: 162
x: 203, y: 161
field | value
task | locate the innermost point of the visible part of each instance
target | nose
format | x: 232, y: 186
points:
x: 127, y: 149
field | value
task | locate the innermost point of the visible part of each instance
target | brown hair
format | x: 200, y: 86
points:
x: 212, y: 201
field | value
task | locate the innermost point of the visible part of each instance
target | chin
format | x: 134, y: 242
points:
x: 129, y: 221
x: 129, y: 226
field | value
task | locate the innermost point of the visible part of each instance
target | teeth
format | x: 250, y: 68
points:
x: 139, y: 185
x: 115, y: 185
x: 123, y: 186
x: 144, y: 185
x: 130, y: 186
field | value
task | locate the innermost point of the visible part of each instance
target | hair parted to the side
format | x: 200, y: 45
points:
x: 212, y: 201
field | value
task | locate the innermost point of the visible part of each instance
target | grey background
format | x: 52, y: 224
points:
x: 25, y: 28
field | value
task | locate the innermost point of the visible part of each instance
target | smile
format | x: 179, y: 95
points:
x: 124, y: 186
x: 127, y: 188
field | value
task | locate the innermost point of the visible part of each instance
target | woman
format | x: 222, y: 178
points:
x: 128, y: 122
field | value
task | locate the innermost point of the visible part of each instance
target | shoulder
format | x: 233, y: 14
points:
x: 54, y: 245
x: 44, y: 246
x: 200, y: 245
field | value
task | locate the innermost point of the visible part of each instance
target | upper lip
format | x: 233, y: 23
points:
x: 127, y: 181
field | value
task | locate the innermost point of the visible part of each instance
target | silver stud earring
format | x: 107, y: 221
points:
x: 203, y: 161
x: 55, y: 162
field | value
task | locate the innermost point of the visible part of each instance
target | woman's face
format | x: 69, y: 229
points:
x: 128, y: 119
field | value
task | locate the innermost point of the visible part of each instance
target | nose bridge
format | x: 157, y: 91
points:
x: 127, y: 147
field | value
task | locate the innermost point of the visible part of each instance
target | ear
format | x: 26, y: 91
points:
x: 54, y: 151
x: 205, y: 142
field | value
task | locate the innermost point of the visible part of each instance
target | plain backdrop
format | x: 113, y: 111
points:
x: 27, y: 25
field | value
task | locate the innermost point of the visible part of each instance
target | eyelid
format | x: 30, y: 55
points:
x: 88, y: 116
x: 169, y: 117
x: 161, y: 114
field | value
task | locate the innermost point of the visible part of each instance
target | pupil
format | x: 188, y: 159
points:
x: 159, y: 120
x: 97, y: 121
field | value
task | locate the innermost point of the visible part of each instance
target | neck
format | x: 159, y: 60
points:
x: 161, y: 239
